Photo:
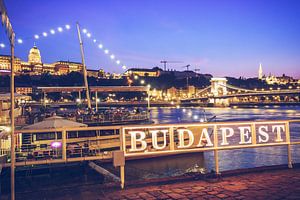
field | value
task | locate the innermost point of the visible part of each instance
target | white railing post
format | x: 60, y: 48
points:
x: 171, y: 137
x: 287, y: 135
x: 253, y: 133
x: 122, y: 148
x: 64, y: 145
x: 216, y: 153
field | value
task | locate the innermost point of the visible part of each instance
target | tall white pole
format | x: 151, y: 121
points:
x: 84, y: 68
x: 11, y: 35
x: 12, y: 120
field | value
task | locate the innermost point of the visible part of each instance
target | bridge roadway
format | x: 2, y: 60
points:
x: 258, y: 93
x: 105, y: 104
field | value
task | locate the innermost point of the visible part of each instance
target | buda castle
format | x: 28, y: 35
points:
x: 35, y: 66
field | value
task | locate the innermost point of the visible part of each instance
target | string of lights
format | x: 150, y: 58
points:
x: 106, y: 51
x: 44, y: 34
x: 112, y: 56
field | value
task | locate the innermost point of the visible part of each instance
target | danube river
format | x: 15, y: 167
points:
x: 228, y: 160
x: 61, y: 176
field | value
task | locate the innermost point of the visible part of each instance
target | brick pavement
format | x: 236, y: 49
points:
x: 274, y: 184
x: 277, y: 184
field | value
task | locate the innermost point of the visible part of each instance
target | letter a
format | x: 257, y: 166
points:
x: 206, y: 138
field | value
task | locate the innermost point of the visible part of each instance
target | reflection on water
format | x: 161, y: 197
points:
x: 180, y: 164
x: 50, y: 177
x: 229, y: 159
x: 174, y: 115
x: 161, y: 167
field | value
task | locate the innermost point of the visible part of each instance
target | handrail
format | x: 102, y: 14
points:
x: 101, y: 146
x: 152, y: 125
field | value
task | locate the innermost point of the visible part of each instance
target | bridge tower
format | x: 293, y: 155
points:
x: 218, y: 89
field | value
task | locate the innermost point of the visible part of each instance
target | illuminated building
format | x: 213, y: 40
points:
x: 5, y: 63
x: 172, y: 92
x: 24, y: 90
x: 93, y: 73
x: 34, y: 56
x: 154, y: 72
x: 271, y: 79
x: 191, y: 90
x: 35, y: 66
x: 156, y: 94
x: 65, y: 67
x: 281, y: 80
x: 182, y: 93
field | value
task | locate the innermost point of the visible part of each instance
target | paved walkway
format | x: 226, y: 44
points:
x: 274, y: 184
x: 279, y: 184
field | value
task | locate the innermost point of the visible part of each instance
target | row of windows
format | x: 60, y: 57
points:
x: 73, y: 134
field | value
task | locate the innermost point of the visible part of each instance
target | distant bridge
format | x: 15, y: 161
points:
x: 219, y: 93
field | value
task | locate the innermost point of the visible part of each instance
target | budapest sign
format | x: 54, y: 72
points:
x: 160, y: 139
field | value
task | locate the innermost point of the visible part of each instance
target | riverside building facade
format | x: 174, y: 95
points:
x: 35, y: 66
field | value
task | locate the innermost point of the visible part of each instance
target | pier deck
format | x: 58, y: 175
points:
x: 264, y: 184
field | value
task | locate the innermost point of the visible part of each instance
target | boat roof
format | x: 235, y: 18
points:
x: 119, y: 89
x: 6, y: 96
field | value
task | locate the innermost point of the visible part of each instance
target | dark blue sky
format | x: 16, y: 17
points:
x: 221, y: 37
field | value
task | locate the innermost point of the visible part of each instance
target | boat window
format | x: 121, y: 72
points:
x: 59, y: 135
x: 72, y: 134
x: 45, y: 136
x: 43, y: 145
x: 109, y: 132
x: 86, y: 134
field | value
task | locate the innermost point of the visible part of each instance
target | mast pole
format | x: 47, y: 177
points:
x: 84, y: 68
x: 12, y: 117
x: 11, y: 36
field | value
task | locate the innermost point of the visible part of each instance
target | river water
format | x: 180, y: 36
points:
x: 75, y: 176
x: 229, y: 159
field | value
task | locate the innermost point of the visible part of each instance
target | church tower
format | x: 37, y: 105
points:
x: 260, y: 72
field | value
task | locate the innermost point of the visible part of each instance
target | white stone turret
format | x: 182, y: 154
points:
x: 260, y: 72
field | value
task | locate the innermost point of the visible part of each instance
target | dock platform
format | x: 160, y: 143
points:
x: 258, y: 183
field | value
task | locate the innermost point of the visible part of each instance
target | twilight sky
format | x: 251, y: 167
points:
x: 221, y: 37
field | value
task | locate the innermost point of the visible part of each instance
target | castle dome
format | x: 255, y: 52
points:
x: 34, y: 56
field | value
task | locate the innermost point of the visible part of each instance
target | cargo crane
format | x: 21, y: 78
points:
x: 187, y: 67
x: 187, y: 77
x: 165, y: 63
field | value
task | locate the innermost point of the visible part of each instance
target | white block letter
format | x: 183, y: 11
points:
x: 134, y: 140
x: 262, y: 132
x: 278, y: 132
x: 244, y: 135
x: 226, y: 132
x: 181, y: 138
x: 154, y: 139
x: 205, y: 136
